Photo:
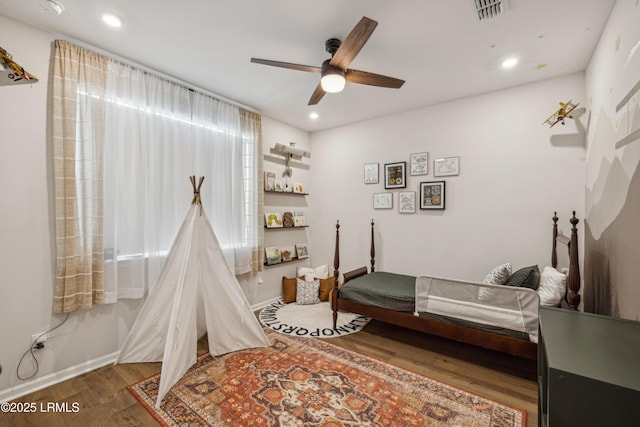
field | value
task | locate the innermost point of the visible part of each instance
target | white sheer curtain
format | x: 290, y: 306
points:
x: 157, y: 134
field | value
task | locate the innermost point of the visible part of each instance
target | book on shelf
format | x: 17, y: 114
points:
x: 288, y: 253
x: 272, y: 219
x: 269, y: 181
x: 272, y: 255
x: 298, y: 219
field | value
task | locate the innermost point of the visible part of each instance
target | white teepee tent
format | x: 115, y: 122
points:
x: 195, y: 277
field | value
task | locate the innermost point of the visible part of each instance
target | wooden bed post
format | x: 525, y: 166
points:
x: 373, y: 250
x: 573, y: 281
x: 336, y: 274
x: 554, y: 254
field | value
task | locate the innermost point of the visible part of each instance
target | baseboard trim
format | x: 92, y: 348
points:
x: 263, y: 304
x: 56, y: 377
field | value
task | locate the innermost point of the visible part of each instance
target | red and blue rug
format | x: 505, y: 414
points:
x: 303, y: 382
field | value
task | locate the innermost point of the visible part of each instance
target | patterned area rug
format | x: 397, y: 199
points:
x: 302, y: 382
x: 311, y: 321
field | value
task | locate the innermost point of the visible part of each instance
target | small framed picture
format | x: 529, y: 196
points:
x: 301, y: 251
x: 432, y: 195
x: 407, y: 201
x: 382, y: 200
x: 371, y: 173
x: 395, y: 175
x: 419, y: 164
x: 448, y: 166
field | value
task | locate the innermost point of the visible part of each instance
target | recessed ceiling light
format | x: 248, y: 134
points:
x: 112, y: 20
x: 313, y: 115
x: 509, y: 63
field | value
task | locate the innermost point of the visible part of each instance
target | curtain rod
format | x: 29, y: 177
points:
x: 156, y: 73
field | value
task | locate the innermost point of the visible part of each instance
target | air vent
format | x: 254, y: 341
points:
x: 487, y: 9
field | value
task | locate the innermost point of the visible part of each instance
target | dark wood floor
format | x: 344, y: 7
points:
x: 104, y: 400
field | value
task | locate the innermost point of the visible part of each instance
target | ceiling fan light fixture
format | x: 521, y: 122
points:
x: 332, y: 80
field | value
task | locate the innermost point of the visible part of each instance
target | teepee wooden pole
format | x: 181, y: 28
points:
x: 196, y: 190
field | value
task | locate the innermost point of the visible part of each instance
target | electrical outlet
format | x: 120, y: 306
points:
x: 41, y: 340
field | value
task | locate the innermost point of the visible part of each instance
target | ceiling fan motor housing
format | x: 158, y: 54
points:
x: 332, y: 45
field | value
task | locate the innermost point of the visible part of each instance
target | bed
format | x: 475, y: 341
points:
x: 469, y: 312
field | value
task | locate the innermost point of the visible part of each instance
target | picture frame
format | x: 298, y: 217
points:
x: 432, y: 195
x: 419, y: 164
x: 371, y: 173
x: 301, y: 251
x: 446, y: 166
x: 383, y: 200
x: 395, y: 175
x: 407, y: 201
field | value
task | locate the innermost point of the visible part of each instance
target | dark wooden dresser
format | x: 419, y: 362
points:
x: 588, y: 370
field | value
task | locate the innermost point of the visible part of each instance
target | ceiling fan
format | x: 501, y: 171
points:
x: 335, y: 71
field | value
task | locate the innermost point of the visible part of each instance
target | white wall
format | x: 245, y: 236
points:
x: 514, y: 173
x: 273, y: 132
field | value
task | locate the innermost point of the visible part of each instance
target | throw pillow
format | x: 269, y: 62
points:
x: 553, y: 286
x: 528, y: 277
x: 307, y: 292
x: 321, y: 272
x: 499, y: 275
x: 326, y: 286
x: 288, y: 289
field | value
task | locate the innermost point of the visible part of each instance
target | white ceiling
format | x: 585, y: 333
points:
x: 439, y: 47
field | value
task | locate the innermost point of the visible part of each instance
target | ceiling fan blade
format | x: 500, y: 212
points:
x: 288, y: 65
x: 372, y: 79
x: 353, y: 43
x: 317, y: 95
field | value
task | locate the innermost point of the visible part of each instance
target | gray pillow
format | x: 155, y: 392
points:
x: 527, y: 277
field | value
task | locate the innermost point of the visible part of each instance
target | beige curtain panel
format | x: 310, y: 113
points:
x: 251, y: 125
x: 78, y: 86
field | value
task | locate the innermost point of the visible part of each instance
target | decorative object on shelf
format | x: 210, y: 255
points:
x: 419, y: 164
x: 278, y: 186
x: 272, y: 220
x: 287, y: 219
x: 395, y: 175
x: 289, y: 153
x: 269, y: 181
x: 298, y: 219
x: 301, y: 251
x: 272, y: 255
x: 298, y: 188
x: 382, y: 200
x: 371, y: 173
x: 432, y: 195
x: 11, y: 73
x: 447, y: 166
x: 288, y: 253
x: 407, y: 201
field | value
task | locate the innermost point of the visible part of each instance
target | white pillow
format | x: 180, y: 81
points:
x: 499, y: 275
x: 321, y: 272
x: 307, y: 292
x: 552, y: 288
